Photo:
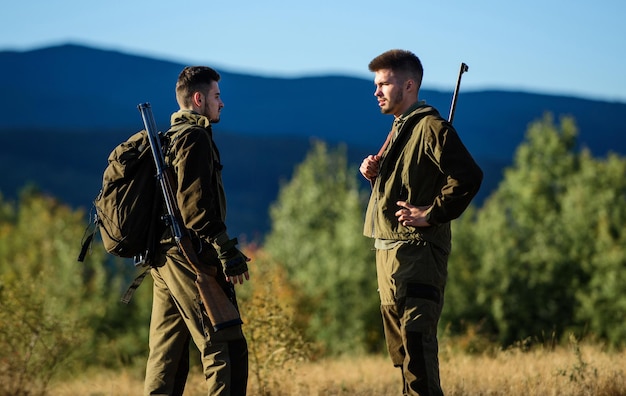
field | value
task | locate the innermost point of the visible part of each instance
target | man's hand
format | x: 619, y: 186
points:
x: 369, y: 167
x: 234, y: 263
x: 410, y: 215
x: 235, y: 266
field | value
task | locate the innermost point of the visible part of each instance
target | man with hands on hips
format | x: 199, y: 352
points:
x: 422, y: 179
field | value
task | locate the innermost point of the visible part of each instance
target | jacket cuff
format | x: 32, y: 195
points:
x: 215, y: 229
x: 431, y: 219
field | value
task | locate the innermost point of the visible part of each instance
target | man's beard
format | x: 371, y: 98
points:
x: 206, y: 111
x: 391, y: 103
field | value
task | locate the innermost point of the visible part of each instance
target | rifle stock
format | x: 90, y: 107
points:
x: 221, y: 311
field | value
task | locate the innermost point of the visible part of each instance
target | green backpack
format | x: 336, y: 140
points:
x: 128, y: 206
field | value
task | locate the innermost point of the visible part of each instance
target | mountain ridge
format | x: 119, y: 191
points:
x: 65, y: 107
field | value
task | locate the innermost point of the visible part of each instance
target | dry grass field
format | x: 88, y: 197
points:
x: 576, y: 370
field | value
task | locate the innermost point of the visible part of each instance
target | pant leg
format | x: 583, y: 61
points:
x: 411, y: 280
x: 168, y: 361
x: 224, y: 354
x: 226, y: 367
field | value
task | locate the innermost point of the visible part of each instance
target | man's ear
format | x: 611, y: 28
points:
x: 197, y: 99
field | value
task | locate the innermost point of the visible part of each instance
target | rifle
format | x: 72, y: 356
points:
x: 221, y: 311
x: 462, y: 70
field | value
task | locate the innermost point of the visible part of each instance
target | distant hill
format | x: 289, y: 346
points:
x: 65, y: 107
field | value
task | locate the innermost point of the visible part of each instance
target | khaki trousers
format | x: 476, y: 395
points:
x: 411, y: 283
x: 178, y: 318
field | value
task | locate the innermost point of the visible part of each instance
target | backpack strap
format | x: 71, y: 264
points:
x: 133, y: 286
x: 88, y: 236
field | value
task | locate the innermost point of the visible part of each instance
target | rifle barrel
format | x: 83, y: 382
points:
x: 462, y: 70
x: 157, y: 153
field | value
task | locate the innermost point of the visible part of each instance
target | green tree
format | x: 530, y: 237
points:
x: 316, y: 235
x: 47, y: 301
x: 529, y: 283
x: 594, y: 208
x: 57, y: 313
x: 547, y: 246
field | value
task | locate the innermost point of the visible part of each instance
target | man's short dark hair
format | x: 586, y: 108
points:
x: 193, y: 79
x: 405, y: 63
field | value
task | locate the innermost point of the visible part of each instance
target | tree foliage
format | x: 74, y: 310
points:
x: 46, y: 301
x: 546, y: 252
x: 269, y: 310
x: 55, y: 312
x: 316, y: 235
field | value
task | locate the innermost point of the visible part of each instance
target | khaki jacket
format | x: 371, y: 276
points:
x: 196, y: 163
x: 426, y: 164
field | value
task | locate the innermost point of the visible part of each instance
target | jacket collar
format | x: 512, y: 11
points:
x: 189, y: 117
x: 411, y: 109
x: 398, y: 122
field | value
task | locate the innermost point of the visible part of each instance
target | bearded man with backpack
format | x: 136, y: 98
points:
x: 178, y: 315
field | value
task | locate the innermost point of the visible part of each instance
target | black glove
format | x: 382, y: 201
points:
x: 233, y: 261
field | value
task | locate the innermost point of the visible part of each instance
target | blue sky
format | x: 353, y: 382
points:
x: 549, y: 46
